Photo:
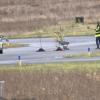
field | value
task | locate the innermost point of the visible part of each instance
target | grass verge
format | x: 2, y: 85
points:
x: 88, y: 66
x: 13, y: 45
x: 66, y: 28
x: 86, y: 55
x: 70, y: 81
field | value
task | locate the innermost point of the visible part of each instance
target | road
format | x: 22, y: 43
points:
x: 29, y: 55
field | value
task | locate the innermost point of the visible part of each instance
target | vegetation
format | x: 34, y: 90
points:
x: 35, y: 18
x: 66, y: 28
x: 93, y: 66
x: 19, y: 17
x: 70, y: 81
x: 88, y: 54
x: 13, y: 45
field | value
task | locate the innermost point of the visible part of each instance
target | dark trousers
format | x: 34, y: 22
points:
x: 98, y: 42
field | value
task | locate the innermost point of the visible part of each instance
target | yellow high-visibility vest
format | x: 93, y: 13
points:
x: 97, y: 34
x: 1, y: 44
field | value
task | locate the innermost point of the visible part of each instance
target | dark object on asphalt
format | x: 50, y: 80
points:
x: 59, y: 49
x: 40, y: 50
x: 61, y: 41
x: 64, y: 44
x: 1, y: 51
x: 65, y: 47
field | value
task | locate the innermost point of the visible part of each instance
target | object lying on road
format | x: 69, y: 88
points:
x: 1, y: 51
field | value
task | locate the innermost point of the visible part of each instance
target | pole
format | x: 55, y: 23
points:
x: 40, y: 42
x: 89, y: 51
x: 1, y: 88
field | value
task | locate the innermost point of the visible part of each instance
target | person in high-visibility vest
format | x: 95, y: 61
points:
x: 1, y: 45
x: 97, y: 35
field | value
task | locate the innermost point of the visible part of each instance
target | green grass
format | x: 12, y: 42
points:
x: 68, y: 29
x: 86, y: 55
x: 13, y: 45
x: 81, y: 66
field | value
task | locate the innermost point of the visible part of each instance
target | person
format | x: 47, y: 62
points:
x: 97, y: 35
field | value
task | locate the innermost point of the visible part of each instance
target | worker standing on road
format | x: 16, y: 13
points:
x: 1, y: 45
x: 97, y: 35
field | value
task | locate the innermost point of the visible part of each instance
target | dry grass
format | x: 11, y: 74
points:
x: 50, y: 85
x: 28, y: 15
x: 33, y: 82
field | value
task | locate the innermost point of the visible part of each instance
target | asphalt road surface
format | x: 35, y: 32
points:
x: 29, y: 55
